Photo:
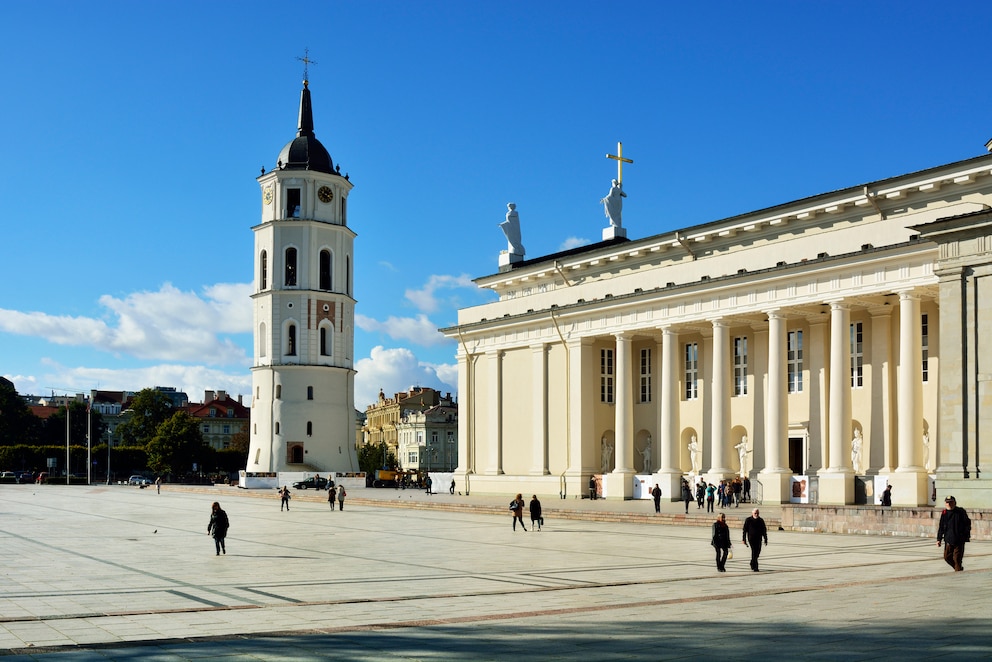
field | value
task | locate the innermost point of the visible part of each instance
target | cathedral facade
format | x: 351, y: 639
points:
x: 840, y: 337
x: 302, y: 410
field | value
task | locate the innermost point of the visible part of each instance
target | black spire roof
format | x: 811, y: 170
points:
x: 304, y: 152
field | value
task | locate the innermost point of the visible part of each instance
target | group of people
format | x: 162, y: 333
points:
x: 517, y: 510
x: 755, y: 533
x: 727, y: 493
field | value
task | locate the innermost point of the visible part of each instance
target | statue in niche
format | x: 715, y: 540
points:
x: 613, y: 203
x: 856, y: 444
x: 926, y: 451
x: 646, y: 456
x: 742, y: 451
x: 694, y: 454
x: 511, y: 228
x: 607, y: 456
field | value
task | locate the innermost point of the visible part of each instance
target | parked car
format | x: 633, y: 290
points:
x: 312, y: 481
x: 26, y: 477
x: 140, y: 481
x: 8, y: 477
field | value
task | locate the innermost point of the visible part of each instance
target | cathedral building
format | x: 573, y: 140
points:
x: 836, y: 339
x: 302, y: 409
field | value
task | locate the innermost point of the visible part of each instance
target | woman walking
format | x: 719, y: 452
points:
x: 331, y: 493
x: 218, y: 526
x: 517, y: 508
x: 721, y: 541
x: 686, y: 494
x: 536, y: 520
x: 341, y: 495
x: 284, y: 497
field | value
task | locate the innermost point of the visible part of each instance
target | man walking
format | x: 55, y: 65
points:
x: 755, y: 532
x: 656, y: 495
x: 592, y: 487
x: 954, y: 530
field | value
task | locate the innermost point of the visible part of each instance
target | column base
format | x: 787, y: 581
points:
x: 909, y: 488
x: 776, y: 487
x: 619, y: 485
x: 836, y: 489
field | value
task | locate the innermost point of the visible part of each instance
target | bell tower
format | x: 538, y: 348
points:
x: 303, y: 380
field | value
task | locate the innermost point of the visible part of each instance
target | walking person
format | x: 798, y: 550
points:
x: 755, y: 532
x: 331, y: 493
x: 158, y: 485
x: 700, y: 494
x: 710, y: 496
x: 517, y: 508
x: 451, y: 488
x: 592, y: 487
x: 686, y: 494
x: 430, y: 482
x: 536, y: 519
x: 284, y: 497
x: 721, y: 541
x: 341, y: 495
x: 656, y: 495
x: 887, y: 496
x: 954, y: 530
x: 218, y: 525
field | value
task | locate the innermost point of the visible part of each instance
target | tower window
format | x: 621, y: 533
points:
x: 290, y: 267
x: 263, y: 270
x: 347, y: 275
x: 291, y: 340
x: 325, y: 269
x: 293, y: 203
x: 325, y: 348
x: 309, y: 428
x: 309, y: 393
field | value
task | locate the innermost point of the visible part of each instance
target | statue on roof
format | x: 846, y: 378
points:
x: 511, y: 228
x: 613, y: 204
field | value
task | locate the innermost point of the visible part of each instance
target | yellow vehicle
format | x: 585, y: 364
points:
x: 396, y: 478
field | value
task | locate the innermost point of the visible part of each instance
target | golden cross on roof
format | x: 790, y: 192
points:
x: 620, y: 161
x: 306, y: 63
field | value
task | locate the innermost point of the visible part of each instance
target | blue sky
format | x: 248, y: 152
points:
x: 133, y: 133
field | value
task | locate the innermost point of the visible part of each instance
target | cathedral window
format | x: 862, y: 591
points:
x: 606, y: 376
x: 925, y: 341
x: 857, y: 355
x: 645, y: 375
x: 291, y: 267
x: 263, y: 270
x: 794, y: 359
x: 740, y: 366
x: 691, y: 371
x: 293, y: 203
x: 325, y: 269
x: 291, y: 340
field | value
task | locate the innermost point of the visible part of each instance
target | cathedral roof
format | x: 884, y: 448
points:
x: 305, y: 152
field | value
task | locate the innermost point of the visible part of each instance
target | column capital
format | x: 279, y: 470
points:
x: 907, y: 295
x: 838, y: 304
x: 623, y: 336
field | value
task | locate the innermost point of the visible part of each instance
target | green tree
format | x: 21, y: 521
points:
x: 18, y: 425
x: 150, y: 408
x: 375, y: 456
x: 177, y: 444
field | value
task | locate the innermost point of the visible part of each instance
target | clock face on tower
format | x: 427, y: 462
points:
x: 267, y: 195
x: 325, y: 194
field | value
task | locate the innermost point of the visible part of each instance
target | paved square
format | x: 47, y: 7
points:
x: 95, y: 573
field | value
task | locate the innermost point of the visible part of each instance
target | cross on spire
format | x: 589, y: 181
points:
x: 620, y: 161
x: 306, y: 64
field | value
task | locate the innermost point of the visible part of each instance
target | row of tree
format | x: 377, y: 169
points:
x: 167, y: 441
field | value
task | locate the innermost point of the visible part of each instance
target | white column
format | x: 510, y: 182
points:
x: 720, y: 400
x: 668, y: 425
x: 466, y: 419
x: 775, y: 476
x: 909, y: 482
x: 539, y: 429
x: 837, y: 481
x: 624, y: 410
x: 494, y: 410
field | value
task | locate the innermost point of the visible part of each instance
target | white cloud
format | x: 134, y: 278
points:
x: 424, y: 298
x: 419, y: 330
x: 168, y: 325
x: 393, y: 370
x: 193, y: 379
x: 573, y: 242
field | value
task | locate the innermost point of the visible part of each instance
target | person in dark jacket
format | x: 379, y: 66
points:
x: 721, y: 541
x: 218, y: 526
x: 686, y: 494
x: 887, y: 496
x: 517, y: 508
x: 954, y: 531
x: 656, y: 495
x: 536, y: 519
x: 755, y: 532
